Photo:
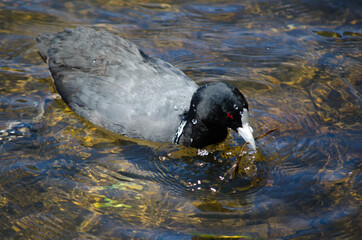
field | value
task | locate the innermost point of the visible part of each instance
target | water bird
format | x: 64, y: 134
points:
x: 114, y: 84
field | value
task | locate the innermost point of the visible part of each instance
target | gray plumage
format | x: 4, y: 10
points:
x: 113, y: 84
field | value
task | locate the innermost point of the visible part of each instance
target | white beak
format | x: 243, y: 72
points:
x: 246, y: 132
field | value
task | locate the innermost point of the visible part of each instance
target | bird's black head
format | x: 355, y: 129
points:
x: 214, y: 108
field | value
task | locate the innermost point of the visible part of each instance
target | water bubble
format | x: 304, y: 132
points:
x: 251, y: 152
x: 94, y: 60
x: 202, y: 152
x: 191, y: 139
x: 236, y: 107
x: 200, y: 164
x: 175, y: 108
x: 194, y: 121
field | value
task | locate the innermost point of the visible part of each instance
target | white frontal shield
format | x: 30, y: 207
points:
x: 246, y: 132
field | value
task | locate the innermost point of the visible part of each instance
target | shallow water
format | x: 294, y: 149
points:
x: 297, y: 62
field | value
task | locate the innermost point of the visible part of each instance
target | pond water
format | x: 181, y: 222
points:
x: 297, y: 62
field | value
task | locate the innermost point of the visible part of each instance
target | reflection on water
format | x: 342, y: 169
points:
x: 297, y: 62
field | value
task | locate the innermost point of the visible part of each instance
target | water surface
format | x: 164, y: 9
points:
x: 297, y: 62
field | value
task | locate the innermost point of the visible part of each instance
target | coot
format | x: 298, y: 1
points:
x: 112, y: 83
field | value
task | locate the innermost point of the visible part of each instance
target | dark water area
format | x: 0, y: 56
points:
x: 297, y: 62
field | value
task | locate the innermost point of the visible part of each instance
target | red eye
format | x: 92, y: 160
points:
x: 230, y: 115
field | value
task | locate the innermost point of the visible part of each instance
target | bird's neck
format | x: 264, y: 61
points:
x: 198, y: 134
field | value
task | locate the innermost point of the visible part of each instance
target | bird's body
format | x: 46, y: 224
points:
x: 113, y: 84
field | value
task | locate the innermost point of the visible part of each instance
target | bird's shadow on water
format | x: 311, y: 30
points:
x: 190, y: 172
x: 207, y: 172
